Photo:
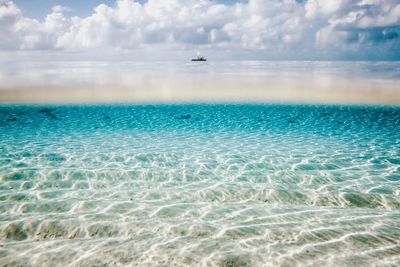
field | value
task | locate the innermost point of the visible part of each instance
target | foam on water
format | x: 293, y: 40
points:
x: 209, y: 185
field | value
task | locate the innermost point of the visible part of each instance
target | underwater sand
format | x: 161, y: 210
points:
x: 199, y: 185
x: 336, y: 82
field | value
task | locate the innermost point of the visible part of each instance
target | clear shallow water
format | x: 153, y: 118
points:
x: 203, y: 185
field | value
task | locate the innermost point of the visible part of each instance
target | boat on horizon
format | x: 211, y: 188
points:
x: 199, y: 58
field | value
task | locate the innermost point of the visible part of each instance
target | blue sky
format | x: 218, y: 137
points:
x: 40, y: 8
x: 252, y: 29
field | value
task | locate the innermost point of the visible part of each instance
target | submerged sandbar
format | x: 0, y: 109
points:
x: 252, y: 90
x: 166, y: 82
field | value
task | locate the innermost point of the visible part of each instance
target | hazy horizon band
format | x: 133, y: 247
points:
x: 183, y: 82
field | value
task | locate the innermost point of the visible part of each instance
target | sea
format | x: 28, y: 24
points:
x: 200, y: 184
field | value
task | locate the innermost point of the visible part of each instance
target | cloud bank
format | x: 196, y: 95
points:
x: 288, y: 29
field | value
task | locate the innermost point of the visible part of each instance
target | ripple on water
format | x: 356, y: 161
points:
x: 209, y: 185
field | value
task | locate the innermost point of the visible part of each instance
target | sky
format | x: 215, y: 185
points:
x: 220, y: 29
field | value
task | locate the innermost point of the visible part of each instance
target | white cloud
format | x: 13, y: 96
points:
x: 60, y: 9
x: 324, y: 8
x: 286, y: 28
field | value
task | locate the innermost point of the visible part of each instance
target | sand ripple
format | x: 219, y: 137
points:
x: 203, y: 185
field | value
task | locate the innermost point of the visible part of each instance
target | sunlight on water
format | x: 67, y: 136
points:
x: 211, y: 185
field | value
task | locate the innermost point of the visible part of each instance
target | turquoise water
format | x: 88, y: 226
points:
x: 199, y: 185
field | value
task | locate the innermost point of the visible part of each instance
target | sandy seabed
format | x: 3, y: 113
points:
x: 209, y: 166
x: 199, y: 185
x: 223, y: 90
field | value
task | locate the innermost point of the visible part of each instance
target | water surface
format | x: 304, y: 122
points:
x: 354, y: 82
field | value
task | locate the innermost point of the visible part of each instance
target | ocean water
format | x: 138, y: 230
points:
x: 61, y: 74
x: 199, y: 185
x: 338, y: 82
